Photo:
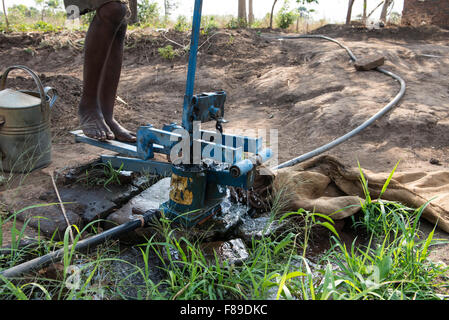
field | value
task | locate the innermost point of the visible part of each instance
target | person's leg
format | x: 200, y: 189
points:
x: 109, y: 84
x: 98, y: 44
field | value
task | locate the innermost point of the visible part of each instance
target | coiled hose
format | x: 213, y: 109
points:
x: 360, y: 128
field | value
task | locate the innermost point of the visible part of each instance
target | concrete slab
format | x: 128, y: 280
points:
x: 149, y: 199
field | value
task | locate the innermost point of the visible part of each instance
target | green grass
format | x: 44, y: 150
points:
x: 395, y: 268
x: 101, y: 174
x: 39, y: 26
x: 168, y: 52
x: 393, y: 265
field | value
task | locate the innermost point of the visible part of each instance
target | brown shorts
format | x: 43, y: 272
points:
x: 76, y: 8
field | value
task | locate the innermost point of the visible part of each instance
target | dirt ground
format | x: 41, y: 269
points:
x: 305, y: 89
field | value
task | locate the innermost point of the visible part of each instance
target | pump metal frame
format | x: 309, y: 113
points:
x: 229, y: 162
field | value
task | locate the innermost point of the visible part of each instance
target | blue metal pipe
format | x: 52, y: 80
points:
x: 194, y: 42
x: 263, y: 156
x: 241, y: 168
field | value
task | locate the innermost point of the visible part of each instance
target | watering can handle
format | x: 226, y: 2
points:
x: 32, y: 74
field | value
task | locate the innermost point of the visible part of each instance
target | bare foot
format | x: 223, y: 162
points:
x: 121, y: 134
x: 93, y: 124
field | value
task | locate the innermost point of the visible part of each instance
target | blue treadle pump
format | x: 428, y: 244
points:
x: 203, y: 162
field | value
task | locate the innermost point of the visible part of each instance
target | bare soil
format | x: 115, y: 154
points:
x: 306, y: 89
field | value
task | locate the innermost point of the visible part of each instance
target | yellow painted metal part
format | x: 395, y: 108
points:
x: 179, y: 191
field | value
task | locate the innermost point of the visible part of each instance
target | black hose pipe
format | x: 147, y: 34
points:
x: 81, y: 246
x: 361, y: 127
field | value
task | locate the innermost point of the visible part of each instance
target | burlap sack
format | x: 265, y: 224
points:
x: 326, y: 186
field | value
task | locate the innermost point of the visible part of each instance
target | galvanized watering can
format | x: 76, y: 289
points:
x: 25, y: 138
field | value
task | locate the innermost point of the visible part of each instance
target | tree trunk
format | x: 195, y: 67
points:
x: 374, y: 9
x: 6, y: 16
x: 242, y: 13
x: 349, y: 15
x: 271, y: 15
x: 365, y: 5
x: 166, y: 9
x: 133, y: 6
x: 251, y: 12
x: 383, y: 15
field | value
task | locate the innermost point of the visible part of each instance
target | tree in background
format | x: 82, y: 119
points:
x: 52, y: 5
x: 303, y: 13
x: 133, y: 7
x: 303, y: 2
x: 148, y: 12
x: 349, y: 14
x: 22, y: 10
x: 395, y: 18
x: 286, y: 17
x: 169, y: 5
x: 41, y: 3
x: 47, y: 4
x: 250, y: 12
x: 20, y: 13
x: 365, y: 6
x: 372, y: 11
x: 5, y: 15
x: 383, y: 14
x: 243, y: 22
x: 271, y: 14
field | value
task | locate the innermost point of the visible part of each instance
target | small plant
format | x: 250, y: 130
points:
x: 181, y: 24
x: 310, y: 220
x: 101, y: 174
x: 230, y: 40
x: 149, y: 179
x: 209, y: 24
x: 285, y: 17
x: 379, y: 216
x: 88, y: 17
x: 112, y: 175
x: 168, y: 52
x: 30, y: 51
x: 233, y: 24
